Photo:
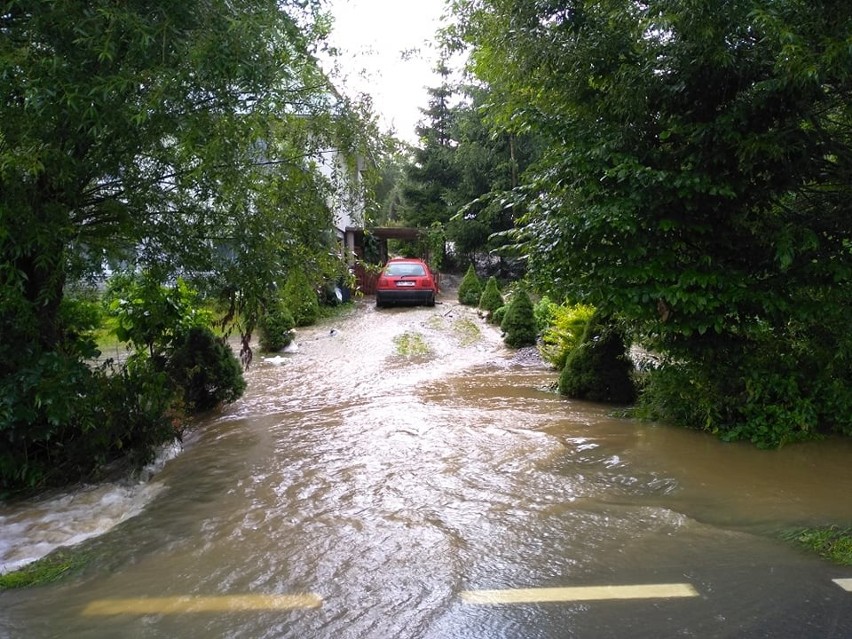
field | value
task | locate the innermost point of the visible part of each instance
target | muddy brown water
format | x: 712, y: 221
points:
x: 403, y: 457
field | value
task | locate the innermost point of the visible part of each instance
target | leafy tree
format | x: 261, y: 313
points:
x: 150, y: 316
x: 519, y: 322
x: 178, y: 137
x: 470, y: 288
x: 170, y: 334
x: 488, y: 161
x: 696, y: 180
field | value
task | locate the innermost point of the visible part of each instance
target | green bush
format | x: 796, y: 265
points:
x: 470, y: 289
x: 598, y: 368
x: 301, y: 299
x: 499, y: 315
x: 206, y: 370
x: 491, y: 299
x: 544, y: 312
x: 768, y: 391
x: 519, y: 321
x: 275, y: 327
x: 64, y: 421
x: 567, y: 323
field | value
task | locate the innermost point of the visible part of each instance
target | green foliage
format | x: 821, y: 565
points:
x: 545, y: 312
x: 519, y: 322
x: 491, y: 299
x: 301, y: 299
x: 566, y: 324
x: 431, y: 175
x: 205, y: 369
x: 64, y: 420
x: 598, y: 369
x: 765, y: 392
x: 458, y: 163
x: 149, y: 315
x: 470, y: 288
x: 276, y: 325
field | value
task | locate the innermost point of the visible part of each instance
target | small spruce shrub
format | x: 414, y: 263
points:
x: 274, y: 327
x: 519, y: 321
x: 599, y: 369
x: 206, y: 370
x: 491, y: 299
x: 301, y: 299
x: 470, y: 289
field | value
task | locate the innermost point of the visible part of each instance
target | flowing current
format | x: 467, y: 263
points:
x: 403, y: 474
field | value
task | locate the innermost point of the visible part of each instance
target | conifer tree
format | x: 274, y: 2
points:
x: 519, y: 322
x: 470, y: 289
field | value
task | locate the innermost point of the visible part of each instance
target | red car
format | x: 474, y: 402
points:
x: 406, y: 280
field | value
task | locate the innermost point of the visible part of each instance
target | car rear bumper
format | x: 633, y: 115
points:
x: 405, y: 296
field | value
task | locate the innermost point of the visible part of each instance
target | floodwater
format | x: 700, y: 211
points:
x: 385, y: 479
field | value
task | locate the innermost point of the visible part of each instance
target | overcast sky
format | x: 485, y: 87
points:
x: 388, y: 52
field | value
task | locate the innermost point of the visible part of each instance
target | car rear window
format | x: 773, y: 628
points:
x: 405, y: 268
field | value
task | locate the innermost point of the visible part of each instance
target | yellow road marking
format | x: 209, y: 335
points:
x: 584, y: 593
x: 175, y: 605
x: 846, y: 584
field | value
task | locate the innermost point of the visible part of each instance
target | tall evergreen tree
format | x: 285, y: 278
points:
x: 431, y: 178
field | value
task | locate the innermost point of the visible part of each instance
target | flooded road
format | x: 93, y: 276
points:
x: 404, y: 475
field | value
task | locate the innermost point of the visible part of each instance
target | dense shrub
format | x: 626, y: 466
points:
x: 491, y: 299
x: 598, y: 368
x: 519, y: 322
x: 275, y: 327
x: 499, y: 315
x: 544, y: 312
x: 760, y: 391
x: 205, y: 369
x: 63, y: 420
x: 470, y: 289
x: 301, y: 299
x: 567, y: 323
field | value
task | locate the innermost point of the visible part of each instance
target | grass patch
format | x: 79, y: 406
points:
x: 411, y: 345
x: 830, y: 542
x: 436, y: 323
x: 467, y: 332
x: 55, y: 566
